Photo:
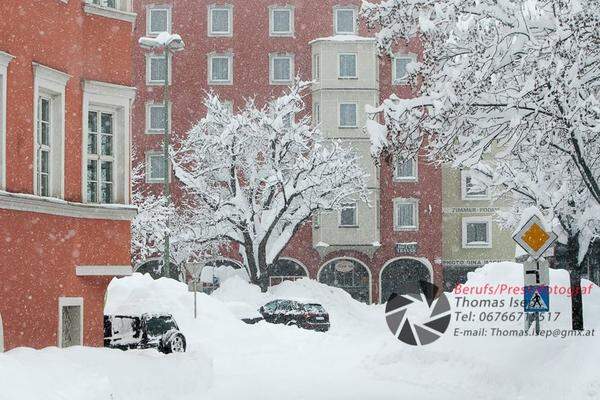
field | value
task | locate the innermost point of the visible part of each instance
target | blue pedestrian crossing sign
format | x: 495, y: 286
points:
x: 537, y: 299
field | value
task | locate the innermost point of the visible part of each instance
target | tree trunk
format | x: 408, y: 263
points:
x: 567, y: 257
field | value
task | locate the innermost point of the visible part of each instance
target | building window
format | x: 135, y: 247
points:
x: 220, y: 69
x: 106, y: 142
x: 348, y: 215
x: 106, y: 3
x: 220, y: 20
x: 316, y: 67
x: 49, y: 131
x: 405, y: 170
x: 155, y: 167
x: 155, y: 117
x: 316, y: 113
x: 158, y: 20
x: 5, y: 59
x: 156, y: 69
x: 476, y: 232
x: 348, y: 115
x: 281, y: 21
x: 44, y: 129
x: 399, y: 64
x: 347, y: 66
x: 406, y: 214
x: 344, y: 21
x: 282, y: 69
x: 70, y: 321
x: 228, y: 104
x: 100, y: 157
x: 473, y: 188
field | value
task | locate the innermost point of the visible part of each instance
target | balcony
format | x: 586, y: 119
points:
x: 117, y: 9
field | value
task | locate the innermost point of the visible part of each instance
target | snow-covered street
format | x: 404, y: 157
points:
x: 357, y: 359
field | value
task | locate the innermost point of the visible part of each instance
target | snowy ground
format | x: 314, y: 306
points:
x: 357, y: 359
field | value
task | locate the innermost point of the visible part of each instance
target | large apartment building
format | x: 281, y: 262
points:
x: 65, y: 107
x: 250, y: 48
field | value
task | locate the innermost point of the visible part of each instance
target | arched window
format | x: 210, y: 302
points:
x: 350, y: 275
x: 399, y: 272
x: 286, y: 269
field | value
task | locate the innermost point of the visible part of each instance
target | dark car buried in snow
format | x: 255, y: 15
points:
x: 144, y: 331
x: 294, y: 313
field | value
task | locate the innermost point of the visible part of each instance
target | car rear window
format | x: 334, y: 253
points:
x: 314, y: 308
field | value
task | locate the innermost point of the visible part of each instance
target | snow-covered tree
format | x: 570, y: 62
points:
x: 519, y: 77
x: 257, y: 175
x: 154, y: 219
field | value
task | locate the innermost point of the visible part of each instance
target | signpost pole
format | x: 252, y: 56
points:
x: 195, y: 294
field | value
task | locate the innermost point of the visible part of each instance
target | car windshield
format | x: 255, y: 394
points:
x: 159, y: 325
x: 314, y: 308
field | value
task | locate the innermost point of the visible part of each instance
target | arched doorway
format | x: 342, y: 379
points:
x: 348, y: 274
x: 286, y: 269
x: 400, y: 271
x: 153, y: 267
x: 220, y: 269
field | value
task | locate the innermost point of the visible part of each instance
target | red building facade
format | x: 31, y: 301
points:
x: 232, y: 47
x: 65, y: 125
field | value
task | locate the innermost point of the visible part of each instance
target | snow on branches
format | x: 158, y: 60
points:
x: 256, y: 176
x: 520, y: 78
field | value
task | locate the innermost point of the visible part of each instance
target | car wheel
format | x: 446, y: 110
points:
x: 176, y: 344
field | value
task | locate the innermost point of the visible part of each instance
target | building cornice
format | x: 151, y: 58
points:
x: 103, y: 270
x: 109, y: 89
x: 5, y: 59
x: 109, y: 13
x: 50, y: 74
x: 53, y: 206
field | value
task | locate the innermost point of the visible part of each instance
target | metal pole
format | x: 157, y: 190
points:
x: 195, y: 291
x: 166, y: 141
x: 537, y: 323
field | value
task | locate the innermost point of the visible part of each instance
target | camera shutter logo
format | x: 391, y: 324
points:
x: 428, y: 300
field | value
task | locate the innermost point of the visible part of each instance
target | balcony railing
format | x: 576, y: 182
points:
x: 117, y: 9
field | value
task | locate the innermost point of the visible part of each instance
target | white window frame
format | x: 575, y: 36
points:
x: 339, y: 69
x: 354, y: 10
x: 51, y: 83
x: 161, y: 82
x: 215, y: 7
x: 5, y: 59
x: 99, y: 157
x: 401, y: 80
x: 149, y: 10
x: 340, y: 115
x: 396, y: 217
x: 149, y: 106
x: 281, y: 56
x: 464, y: 174
x: 355, y: 206
x: 290, y: 10
x: 477, y: 220
x: 148, y: 167
x: 413, y: 178
x: 316, y: 67
x: 69, y: 302
x: 118, y: 99
x: 229, y: 57
x: 316, y: 113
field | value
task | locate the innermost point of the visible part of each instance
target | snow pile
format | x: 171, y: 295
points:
x: 357, y: 358
x: 84, y: 373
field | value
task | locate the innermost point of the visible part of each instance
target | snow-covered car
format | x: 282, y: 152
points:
x: 144, y: 331
x: 304, y: 315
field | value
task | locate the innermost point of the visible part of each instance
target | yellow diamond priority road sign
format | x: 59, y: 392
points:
x: 534, y: 238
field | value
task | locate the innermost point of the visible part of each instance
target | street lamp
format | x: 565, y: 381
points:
x: 168, y: 44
